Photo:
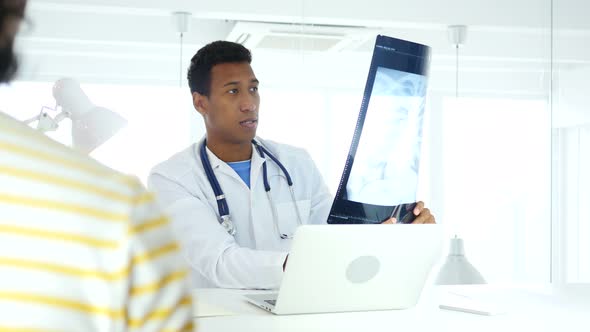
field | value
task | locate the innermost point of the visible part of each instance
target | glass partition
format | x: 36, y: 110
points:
x: 571, y: 141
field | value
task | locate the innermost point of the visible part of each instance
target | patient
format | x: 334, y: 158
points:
x: 81, y: 247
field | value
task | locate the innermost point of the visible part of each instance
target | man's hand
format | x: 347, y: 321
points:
x: 423, y: 216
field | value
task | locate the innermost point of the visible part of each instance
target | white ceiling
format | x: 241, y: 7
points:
x: 134, y: 41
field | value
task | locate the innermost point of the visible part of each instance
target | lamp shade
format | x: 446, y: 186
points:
x: 91, y: 125
x: 69, y: 95
x: 94, y: 127
x: 457, y: 270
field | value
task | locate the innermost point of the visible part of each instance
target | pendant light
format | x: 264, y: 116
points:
x: 457, y: 270
x: 457, y: 36
x: 181, y: 22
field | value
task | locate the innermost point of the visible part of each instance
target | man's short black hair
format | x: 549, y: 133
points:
x: 217, y: 52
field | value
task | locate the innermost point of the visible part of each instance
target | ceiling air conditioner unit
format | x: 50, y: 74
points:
x: 307, y: 37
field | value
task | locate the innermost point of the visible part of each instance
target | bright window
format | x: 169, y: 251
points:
x: 496, y: 174
x: 161, y: 121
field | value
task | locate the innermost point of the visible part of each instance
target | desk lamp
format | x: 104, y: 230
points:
x: 91, y: 125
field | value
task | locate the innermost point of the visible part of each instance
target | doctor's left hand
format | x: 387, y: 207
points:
x: 423, y: 215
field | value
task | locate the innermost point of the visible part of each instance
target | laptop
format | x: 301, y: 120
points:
x: 354, y: 267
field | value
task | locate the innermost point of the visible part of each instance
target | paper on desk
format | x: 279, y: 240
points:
x: 472, y: 303
x: 472, y: 306
x: 206, y: 309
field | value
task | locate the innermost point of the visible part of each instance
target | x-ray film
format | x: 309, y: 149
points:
x: 381, y: 171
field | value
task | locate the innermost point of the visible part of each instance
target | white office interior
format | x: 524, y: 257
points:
x: 504, y: 162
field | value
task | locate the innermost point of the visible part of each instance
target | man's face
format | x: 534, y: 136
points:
x: 231, y: 109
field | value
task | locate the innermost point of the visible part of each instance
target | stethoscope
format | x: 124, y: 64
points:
x: 223, y: 208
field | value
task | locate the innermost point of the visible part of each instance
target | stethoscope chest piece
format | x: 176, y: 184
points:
x: 228, y: 225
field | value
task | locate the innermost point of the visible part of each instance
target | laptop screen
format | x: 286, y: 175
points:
x: 381, y: 171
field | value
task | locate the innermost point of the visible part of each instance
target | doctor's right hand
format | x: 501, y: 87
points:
x: 423, y: 216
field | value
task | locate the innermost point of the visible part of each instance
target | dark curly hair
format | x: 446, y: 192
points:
x: 217, y: 52
x: 8, y: 64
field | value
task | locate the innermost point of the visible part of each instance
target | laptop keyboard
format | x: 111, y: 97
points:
x: 271, y: 302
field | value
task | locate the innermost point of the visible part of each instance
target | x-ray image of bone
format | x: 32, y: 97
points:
x: 385, y: 168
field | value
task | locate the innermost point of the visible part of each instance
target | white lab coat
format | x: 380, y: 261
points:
x: 254, y: 257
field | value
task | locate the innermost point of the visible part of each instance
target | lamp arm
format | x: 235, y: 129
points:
x: 31, y: 120
x: 38, y: 116
x: 62, y: 115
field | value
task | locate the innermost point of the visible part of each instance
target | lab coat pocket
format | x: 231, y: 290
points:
x: 287, y: 215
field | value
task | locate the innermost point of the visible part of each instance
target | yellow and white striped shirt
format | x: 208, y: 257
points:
x: 82, y: 247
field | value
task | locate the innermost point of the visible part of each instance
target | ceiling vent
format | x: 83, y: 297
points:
x: 307, y: 37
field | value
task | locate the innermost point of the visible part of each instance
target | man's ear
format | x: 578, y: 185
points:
x: 200, y: 103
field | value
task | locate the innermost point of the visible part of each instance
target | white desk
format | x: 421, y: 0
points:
x: 528, y: 308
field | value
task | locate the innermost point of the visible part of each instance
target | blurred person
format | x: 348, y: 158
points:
x: 82, y: 247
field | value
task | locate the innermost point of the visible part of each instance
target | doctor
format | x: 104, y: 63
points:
x: 234, y: 198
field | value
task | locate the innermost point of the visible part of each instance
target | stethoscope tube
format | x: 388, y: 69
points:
x: 223, y: 208
x: 262, y: 151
